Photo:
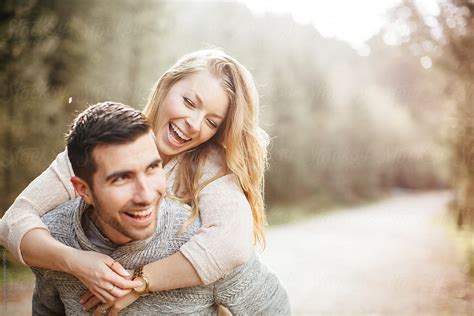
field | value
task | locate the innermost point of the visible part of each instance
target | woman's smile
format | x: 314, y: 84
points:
x: 191, y: 113
x: 176, y: 135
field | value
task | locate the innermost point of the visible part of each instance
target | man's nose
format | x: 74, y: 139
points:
x: 145, y: 193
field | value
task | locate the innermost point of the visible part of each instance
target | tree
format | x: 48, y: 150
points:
x: 38, y: 55
x: 448, y: 40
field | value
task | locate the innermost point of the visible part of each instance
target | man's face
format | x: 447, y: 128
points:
x: 128, y: 185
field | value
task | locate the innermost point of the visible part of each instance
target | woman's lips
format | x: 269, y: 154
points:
x: 179, y: 133
x: 174, y: 138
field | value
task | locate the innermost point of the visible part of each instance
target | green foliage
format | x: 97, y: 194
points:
x: 342, y: 125
x: 57, y: 57
x: 448, y: 39
x: 35, y: 50
x: 13, y: 270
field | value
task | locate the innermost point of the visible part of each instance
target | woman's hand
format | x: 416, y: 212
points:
x: 105, y: 278
x: 113, y: 308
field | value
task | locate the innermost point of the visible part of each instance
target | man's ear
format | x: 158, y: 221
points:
x: 82, y: 189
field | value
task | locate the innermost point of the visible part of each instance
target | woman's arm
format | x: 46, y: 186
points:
x: 224, y: 241
x: 25, y: 235
x: 47, y: 191
x: 95, y: 270
x: 172, y: 272
x: 50, y: 255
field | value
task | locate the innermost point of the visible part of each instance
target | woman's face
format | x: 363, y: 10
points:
x: 191, y: 113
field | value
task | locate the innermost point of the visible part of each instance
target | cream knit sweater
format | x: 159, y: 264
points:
x: 224, y: 241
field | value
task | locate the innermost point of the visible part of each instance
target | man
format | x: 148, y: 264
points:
x: 121, y: 184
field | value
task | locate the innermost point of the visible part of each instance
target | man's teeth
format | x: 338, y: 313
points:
x: 180, y: 134
x: 141, y: 213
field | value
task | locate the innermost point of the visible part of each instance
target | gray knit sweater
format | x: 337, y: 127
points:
x: 249, y: 290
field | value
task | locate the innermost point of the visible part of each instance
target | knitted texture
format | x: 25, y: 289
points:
x: 248, y: 290
x: 224, y: 242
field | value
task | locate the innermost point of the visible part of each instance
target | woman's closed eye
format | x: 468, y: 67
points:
x: 188, y: 102
x: 212, y: 123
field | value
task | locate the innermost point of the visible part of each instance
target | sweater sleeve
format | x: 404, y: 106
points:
x: 252, y: 289
x: 46, y: 300
x: 225, y: 239
x: 47, y: 191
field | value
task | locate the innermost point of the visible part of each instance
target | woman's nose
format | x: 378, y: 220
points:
x: 194, y: 122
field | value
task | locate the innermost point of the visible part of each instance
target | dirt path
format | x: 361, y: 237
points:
x: 395, y: 257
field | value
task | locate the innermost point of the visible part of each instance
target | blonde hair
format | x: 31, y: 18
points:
x: 242, y: 141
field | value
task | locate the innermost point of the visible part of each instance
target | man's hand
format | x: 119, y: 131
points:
x: 103, y: 276
x: 114, y: 308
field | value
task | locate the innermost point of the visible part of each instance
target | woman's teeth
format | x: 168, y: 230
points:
x: 179, y: 133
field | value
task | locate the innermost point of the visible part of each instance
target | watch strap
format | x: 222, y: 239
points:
x: 138, y: 272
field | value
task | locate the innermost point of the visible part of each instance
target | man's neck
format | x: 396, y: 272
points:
x: 94, y: 236
x: 106, y: 230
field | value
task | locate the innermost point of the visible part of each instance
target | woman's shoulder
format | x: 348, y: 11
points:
x: 215, y: 160
x: 214, y: 165
x: 215, y: 170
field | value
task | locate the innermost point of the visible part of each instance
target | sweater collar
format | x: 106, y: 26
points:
x: 168, y: 168
x: 86, y: 244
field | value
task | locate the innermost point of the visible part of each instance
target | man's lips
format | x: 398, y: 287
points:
x: 140, y: 213
x: 141, y: 217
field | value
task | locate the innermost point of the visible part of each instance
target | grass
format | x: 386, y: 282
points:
x: 464, y: 237
x: 14, y: 271
x: 464, y: 241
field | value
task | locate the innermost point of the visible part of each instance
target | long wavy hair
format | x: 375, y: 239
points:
x: 243, y: 143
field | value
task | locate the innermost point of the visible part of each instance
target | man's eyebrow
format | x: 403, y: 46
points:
x: 117, y: 174
x: 126, y: 172
x: 155, y: 162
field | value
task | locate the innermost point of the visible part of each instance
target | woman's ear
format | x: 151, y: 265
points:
x: 83, y: 189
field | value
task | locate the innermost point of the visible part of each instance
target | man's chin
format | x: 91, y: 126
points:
x: 143, y: 233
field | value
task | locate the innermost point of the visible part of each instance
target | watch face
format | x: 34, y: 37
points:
x: 142, y: 286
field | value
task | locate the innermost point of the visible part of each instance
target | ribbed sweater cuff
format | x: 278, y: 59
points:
x: 17, y: 232
x: 202, y: 261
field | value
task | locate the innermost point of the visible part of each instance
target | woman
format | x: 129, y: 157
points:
x: 204, y: 112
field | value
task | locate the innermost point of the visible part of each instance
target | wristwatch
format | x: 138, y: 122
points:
x: 138, y: 276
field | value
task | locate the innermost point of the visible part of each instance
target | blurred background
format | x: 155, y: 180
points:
x: 365, y: 102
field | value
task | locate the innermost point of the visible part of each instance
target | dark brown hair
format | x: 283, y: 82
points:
x: 101, y: 123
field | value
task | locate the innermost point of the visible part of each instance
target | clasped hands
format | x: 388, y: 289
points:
x: 110, y: 288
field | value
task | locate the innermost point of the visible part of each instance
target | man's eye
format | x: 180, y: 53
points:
x: 121, y: 178
x: 154, y: 166
x: 188, y: 102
